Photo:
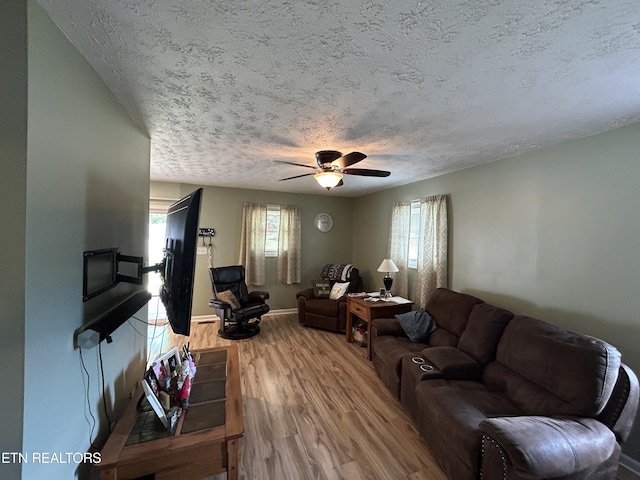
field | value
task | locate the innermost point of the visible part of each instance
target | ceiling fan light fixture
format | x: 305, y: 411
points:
x: 328, y: 180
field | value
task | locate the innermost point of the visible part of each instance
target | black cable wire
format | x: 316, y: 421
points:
x: 87, y: 390
x: 104, y: 391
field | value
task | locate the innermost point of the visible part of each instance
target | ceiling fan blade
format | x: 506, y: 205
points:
x: 349, y: 159
x: 296, y: 164
x: 325, y: 157
x: 365, y: 172
x: 297, y: 176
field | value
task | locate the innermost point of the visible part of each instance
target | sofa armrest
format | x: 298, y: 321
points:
x: 453, y: 363
x: 386, y: 326
x: 620, y: 411
x: 543, y: 447
x: 219, y: 304
x: 223, y: 309
x: 308, y: 294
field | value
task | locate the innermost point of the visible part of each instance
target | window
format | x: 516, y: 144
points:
x: 414, y: 234
x: 157, y: 225
x: 273, y: 230
x: 418, y: 239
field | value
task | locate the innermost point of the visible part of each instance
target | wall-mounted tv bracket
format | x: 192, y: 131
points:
x: 101, y: 271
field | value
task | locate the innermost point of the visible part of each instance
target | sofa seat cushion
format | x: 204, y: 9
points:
x: 387, y: 359
x: 450, y: 413
x: 391, y: 350
x: 322, y: 306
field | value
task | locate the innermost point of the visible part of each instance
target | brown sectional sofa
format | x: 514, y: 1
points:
x: 503, y: 396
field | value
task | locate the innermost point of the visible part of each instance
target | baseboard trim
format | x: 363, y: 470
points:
x: 204, y: 318
x: 282, y: 311
x: 629, y: 468
x: 214, y: 318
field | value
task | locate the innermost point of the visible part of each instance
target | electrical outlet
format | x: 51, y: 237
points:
x: 202, y: 250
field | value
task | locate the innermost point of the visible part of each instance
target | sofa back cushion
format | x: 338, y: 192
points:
x: 482, y: 333
x: 545, y: 370
x: 450, y: 310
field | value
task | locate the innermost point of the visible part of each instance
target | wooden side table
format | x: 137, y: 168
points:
x: 369, y: 311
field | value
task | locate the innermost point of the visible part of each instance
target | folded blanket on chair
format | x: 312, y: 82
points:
x: 337, y: 272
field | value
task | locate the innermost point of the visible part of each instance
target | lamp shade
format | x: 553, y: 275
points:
x: 387, y: 265
x: 328, y: 179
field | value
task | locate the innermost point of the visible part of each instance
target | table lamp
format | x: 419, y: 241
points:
x: 387, y: 266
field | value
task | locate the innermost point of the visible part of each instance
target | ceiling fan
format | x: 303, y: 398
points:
x: 332, y: 166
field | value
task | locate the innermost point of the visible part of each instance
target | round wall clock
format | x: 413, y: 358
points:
x: 324, y: 222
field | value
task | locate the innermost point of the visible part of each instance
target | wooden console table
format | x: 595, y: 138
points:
x: 368, y: 311
x: 206, y: 439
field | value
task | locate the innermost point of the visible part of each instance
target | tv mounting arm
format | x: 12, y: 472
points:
x: 105, y: 264
x: 137, y: 280
x: 111, y: 259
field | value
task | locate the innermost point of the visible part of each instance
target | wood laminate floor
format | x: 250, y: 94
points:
x: 315, y: 409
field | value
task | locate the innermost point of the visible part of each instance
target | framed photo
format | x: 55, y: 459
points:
x: 155, y: 403
x: 155, y: 381
x: 170, y: 360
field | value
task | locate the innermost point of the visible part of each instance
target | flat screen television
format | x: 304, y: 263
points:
x: 181, y: 237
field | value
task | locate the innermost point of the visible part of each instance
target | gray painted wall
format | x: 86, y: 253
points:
x: 79, y: 175
x: 13, y: 161
x: 222, y: 210
x: 551, y: 234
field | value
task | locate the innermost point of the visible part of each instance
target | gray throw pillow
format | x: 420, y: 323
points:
x: 417, y: 324
x: 229, y: 297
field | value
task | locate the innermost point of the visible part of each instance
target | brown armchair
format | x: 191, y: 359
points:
x: 322, y: 312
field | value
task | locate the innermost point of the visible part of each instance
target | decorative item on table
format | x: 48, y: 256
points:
x: 388, y: 267
x: 358, y: 295
x: 359, y: 334
x: 187, y: 357
x: 185, y: 375
x: 159, y: 388
x: 167, y: 385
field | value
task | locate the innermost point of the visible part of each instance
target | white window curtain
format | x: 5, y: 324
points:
x: 399, y: 246
x: 252, y: 242
x: 432, y: 248
x: 289, y: 245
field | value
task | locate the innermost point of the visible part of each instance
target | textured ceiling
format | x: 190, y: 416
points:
x: 226, y: 87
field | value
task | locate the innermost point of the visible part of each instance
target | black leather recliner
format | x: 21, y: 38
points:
x: 236, y: 322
